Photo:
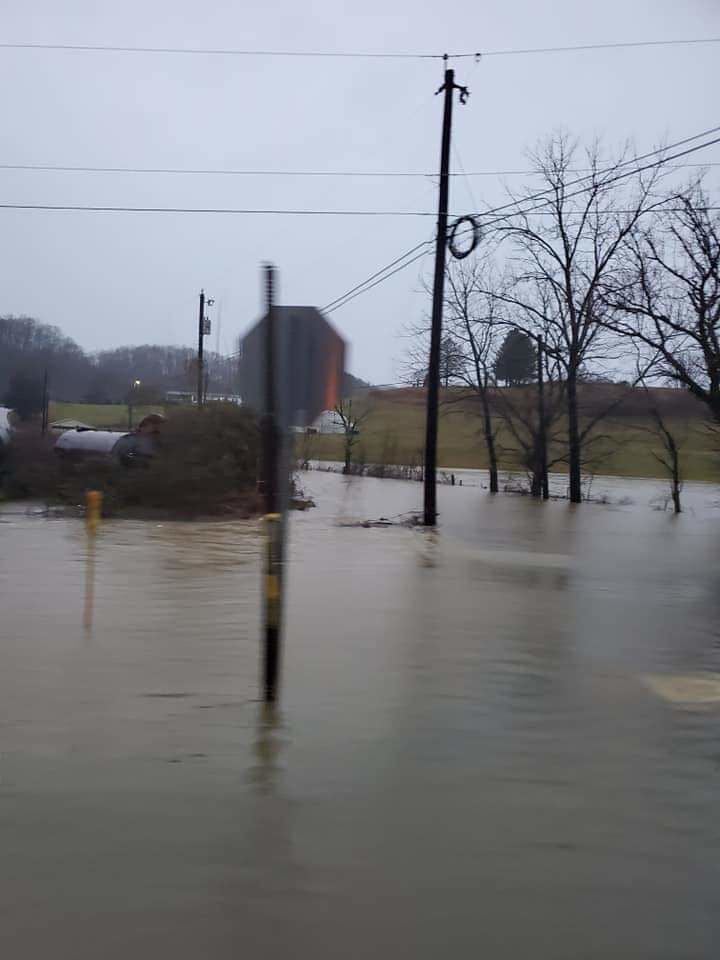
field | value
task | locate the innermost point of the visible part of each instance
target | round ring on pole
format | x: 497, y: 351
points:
x: 475, y: 240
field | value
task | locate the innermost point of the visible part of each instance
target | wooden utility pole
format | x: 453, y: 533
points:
x: 45, y: 404
x: 542, y: 426
x: 433, y: 378
x: 201, y: 334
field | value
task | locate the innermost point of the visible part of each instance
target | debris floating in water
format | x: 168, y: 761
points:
x: 410, y: 519
x: 700, y: 689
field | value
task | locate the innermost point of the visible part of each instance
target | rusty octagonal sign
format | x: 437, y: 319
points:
x: 310, y: 365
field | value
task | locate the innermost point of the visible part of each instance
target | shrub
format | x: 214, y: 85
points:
x: 30, y: 468
x: 205, y: 461
x: 24, y: 395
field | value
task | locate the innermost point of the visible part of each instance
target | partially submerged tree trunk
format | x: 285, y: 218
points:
x: 671, y: 461
x: 574, y: 445
x: 533, y: 419
x: 542, y: 422
x: 350, y: 419
x: 490, y: 443
x: 676, y: 491
x: 536, y: 479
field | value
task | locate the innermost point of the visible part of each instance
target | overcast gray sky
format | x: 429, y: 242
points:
x: 110, y: 279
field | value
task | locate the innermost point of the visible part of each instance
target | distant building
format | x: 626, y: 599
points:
x: 189, y: 397
x: 180, y: 396
x: 328, y: 422
x: 223, y: 398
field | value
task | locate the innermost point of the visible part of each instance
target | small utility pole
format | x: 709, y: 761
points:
x: 542, y: 426
x: 433, y: 378
x: 45, y: 404
x: 201, y: 334
x: 273, y: 518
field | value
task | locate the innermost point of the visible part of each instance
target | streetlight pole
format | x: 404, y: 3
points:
x: 133, y: 386
x: 45, y: 403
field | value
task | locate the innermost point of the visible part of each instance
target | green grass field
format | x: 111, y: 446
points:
x: 394, y: 433
x: 111, y: 416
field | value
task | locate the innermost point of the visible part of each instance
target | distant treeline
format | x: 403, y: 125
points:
x: 29, y: 348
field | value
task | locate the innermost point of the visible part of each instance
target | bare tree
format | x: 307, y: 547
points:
x: 566, y: 250
x: 414, y: 366
x: 474, y: 325
x: 469, y: 347
x: 351, y: 418
x: 667, y: 297
x: 670, y: 458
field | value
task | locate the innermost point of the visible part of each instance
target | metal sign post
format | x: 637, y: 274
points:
x: 291, y: 370
x: 273, y: 526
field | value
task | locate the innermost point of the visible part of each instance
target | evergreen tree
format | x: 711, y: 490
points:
x: 516, y: 359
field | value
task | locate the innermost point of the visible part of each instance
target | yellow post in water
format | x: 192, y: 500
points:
x: 93, y: 503
x: 93, y: 512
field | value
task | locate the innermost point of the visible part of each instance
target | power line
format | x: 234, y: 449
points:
x: 634, y: 169
x: 400, y: 262
x: 244, y: 211
x: 256, y: 211
x: 219, y: 171
x: 253, y: 211
x: 353, y: 54
x: 227, y: 52
x: 392, y: 263
x: 612, y: 45
x: 604, y: 183
x: 631, y: 162
x: 346, y: 299
x: 361, y: 288
x: 192, y: 171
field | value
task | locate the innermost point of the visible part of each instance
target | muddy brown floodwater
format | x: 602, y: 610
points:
x: 502, y: 741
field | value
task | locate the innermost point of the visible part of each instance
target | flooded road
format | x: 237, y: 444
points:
x: 503, y: 740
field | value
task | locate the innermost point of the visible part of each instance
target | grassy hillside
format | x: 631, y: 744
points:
x: 394, y: 433
x: 395, y: 428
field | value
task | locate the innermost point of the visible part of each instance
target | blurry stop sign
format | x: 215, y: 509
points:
x: 309, y: 360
